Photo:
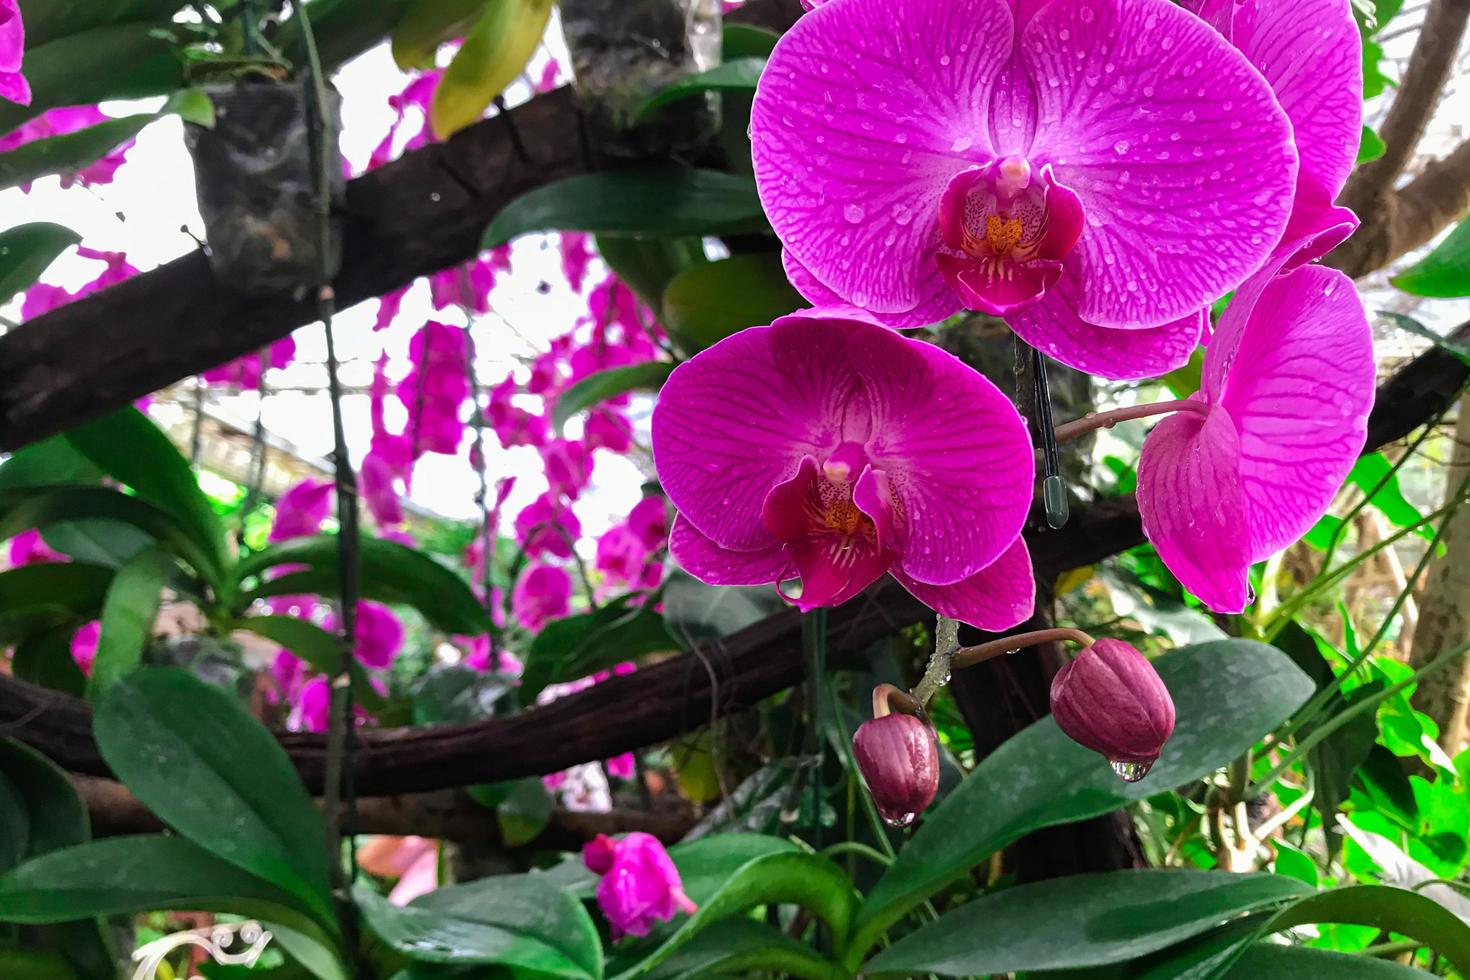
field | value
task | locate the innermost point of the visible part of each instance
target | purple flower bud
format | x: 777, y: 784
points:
x: 1111, y: 700
x: 899, y: 760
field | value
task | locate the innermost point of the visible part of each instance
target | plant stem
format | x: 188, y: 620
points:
x: 1106, y: 420
x: 814, y: 642
x: 860, y: 849
x: 970, y: 656
x: 936, y: 674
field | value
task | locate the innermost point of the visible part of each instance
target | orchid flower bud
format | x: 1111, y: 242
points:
x: 1111, y: 700
x: 899, y: 760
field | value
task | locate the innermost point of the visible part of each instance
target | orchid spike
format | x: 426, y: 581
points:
x: 836, y: 450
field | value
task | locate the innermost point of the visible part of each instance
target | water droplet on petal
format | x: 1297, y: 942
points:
x: 1121, y: 147
x: 1064, y: 34
x: 1130, y: 772
x: 853, y: 213
x: 961, y: 145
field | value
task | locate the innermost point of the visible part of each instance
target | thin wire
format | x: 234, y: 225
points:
x: 1053, y: 488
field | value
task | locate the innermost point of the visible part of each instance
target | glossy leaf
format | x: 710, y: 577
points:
x: 128, y: 446
x: 57, y: 816
x: 15, y: 824
x: 647, y: 265
x: 47, y: 20
x: 495, y: 50
x: 128, y: 615
x: 707, y: 863
x: 710, y: 302
x: 426, y: 24
x: 343, y: 29
x: 1268, y: 961
x: 514, y: 921
x: 1081, y: 920
x: 391, y: 572
x: 73, y: 587
x: 1227, y: 694
x: 524, y: 811
x: 27, y: 250
x: 746, y: 41
x: 664, y: 201
x: 1370, y: 146
x: 743, y: 946
x: 44, y: 657
x: 799, y: 878
x: 1410, y: 325
x: 161, y: 728
x: 317, y: 647
x: 1391, y: 909
x: 576, y: 646
x: 1444, y: 272
x: 739, y: 75
x: 697, y: 613
x: 597, y: 388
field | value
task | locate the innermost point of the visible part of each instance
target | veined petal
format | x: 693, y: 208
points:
x: 1299, y: 391
x: 837, y: 553
x: 1054, y: 328
x: 713, y: 565
x: 1177, y: 148
x: 1193, y: 509
x: 956, y: 453
x: 735, y: 420
x: 999, y: 596
x: 865, y: 111
x: 940, y: 302
x: 1317, y: 226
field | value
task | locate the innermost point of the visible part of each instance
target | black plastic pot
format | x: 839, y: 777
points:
x: 255, y: 172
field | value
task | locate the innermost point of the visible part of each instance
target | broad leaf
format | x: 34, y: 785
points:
x: 510, y: 920
x: 664, y: 201
x: 495, y: 50
x: 1227, y: 695
x: 1410, y: 325
x: 161, y: 728
x: 343, y: 29
x: 696, y: 613
x: 57, y: 816
x: 44, y: 657
x: 746, y: 41
x: 647, y: 265
x: 580, y: 645
x: 15, y: 824
x: 742, y: 946
x: 1444, y: 272
x: 1082, y: 920
x: 27, y: 250
x: 1390, y: 909
x: 524, y: 811
x: 73, y: 587
x: 317, y: 647
x: 426, y: 24
x: 708, y: 303
x: 28, y: 963
x: 597, y: 388
x: 739, y: 75
x: 1371, y: 146
x: 47, y: 20
x: 390, y: 573
x: 128, y: 615
x: 1268, y: 961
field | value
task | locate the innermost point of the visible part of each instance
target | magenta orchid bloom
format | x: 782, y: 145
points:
x: 649, y: 519
x: 378, y: 634
x: 639, y: 885
x: 84, y: 645
x: 13, y: 85
x: 543, y: 593
x: 547, y: 527
x: 836, y: 450
x: 301, y: 510
x: 29, y: 548
x: 1093, y: 171
x: 1280, y: 419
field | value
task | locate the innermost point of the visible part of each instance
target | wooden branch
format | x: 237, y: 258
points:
x: 683, y: 693
x: 1400, y: 221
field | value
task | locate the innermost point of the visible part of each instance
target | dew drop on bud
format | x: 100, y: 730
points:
x: 1130, y: 772
x: 899, y: 820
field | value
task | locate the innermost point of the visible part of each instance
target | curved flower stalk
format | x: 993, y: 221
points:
x: 13, y: 85
x: 1093, y: 171
x: 835, y: 450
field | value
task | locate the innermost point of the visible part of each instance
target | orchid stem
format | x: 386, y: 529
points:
x: 1053, y: 487
x: 936, y: 674
x: 1106, y: 420
x: 981, y: 652
x: 887, y: 699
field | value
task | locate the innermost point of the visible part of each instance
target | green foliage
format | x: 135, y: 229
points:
x: 597, y: 388
x: 708, y: 303
x: 1444, y: 272
x: 132, y: 605
x: 580, y: 645
x: 739, y: 75
x: 27, y: 250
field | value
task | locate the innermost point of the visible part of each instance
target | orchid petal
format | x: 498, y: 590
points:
x: 1054, y: 328
x: 714, y: 565
x: 857, y: 128
x: 1145, y: 114
x: 940, y: 302
x: 998, y: 597
x: 1193, y: 508
x: 834, y: 565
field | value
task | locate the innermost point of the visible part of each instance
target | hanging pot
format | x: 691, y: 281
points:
x: 255, y: 172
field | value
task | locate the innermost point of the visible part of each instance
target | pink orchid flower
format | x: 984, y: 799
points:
x: 836, y: 450
x: 649, y: 519
x: 84, y: 645
x: 576, y: 253
x: 301, y: 510
x: 1276, y: 426
x: 13, y: 85
x: 640, y: 884
x: 248, y: 372
x: 29, y: 548
x: 543, y: 593
x: 378, y: 634
x: 1093, y: 171
x: 379, y: 491
x: 621, y: 555
x: 547, y: 527
x: 414, y: 861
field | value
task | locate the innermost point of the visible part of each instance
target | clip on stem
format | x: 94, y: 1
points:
x: 1053, y: 488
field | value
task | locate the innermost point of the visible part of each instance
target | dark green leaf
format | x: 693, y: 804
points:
x: 76, y: 588
x: 1444, y: 272
x: 1370, y: 147
x: 161, y: 728
x: 27, y: 250
x: 390, y: 573
x: 15, y: 824
x: 1390, y: 909
x: 741, y: 946
x: 1388, y: 787
x: 706, y: 864
x: 739, y: 75
x: 667, y: 201
x: 22, y: 963
x: 1082, y: 920
x: 709, y: 302
x: 647, y: 265
x: 456, y: 695
x: 1227, y: 694
x: 1268, y: 961
x: 128, y: 615
x: 317, y: 647
x: 510, y: 920
x: 597, y: 388
x: 745, y: 41
x: 1410, y: 325
x: 1334, y: 760
x: 130, y: 447
x: 524, y: 812
x: 695, y: 613
x: 579, y: 645
x: 44, y: 658
x: 343, y: 28
x: 47, y: 20
x: 57, y: 816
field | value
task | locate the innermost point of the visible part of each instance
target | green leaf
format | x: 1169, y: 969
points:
x: 742, y: 946
x: 390, y: 573
x: 1391, y: 909
x: 709, y: 302
x: 44, y: 658
x: 1444, y: 272
x: 747, y: 41
x: 47, y: 20
x: 1269, y: 961
x: 495, y: 50
x: 317, y: 647
x: 697, y: 613
x: 524, y: 812
x: 161, y: 728
x: 739, y: 75
x: 707, y: 863
x: 15, y: 824
x: 27, y: 250
x: 1295, y: 864
x: 597, y: 388
x: 664, y: 201
x: 1375, y: 470
x: 1082, y: 920
x: 23, y: 963
x: 809, y: 880
x: 74, y: 588
x: 1410, y: 325
x: 456, y: 695
x: 130, y: 447
x: 514, y: 921
x: 58, y: 817
x: 343, y: 29
x: 1370, y: 147
x: 1227, y: 694
x: 647, y: 265
x: 128, y: 615
x: 579, y: 645
x: 426, y: 24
